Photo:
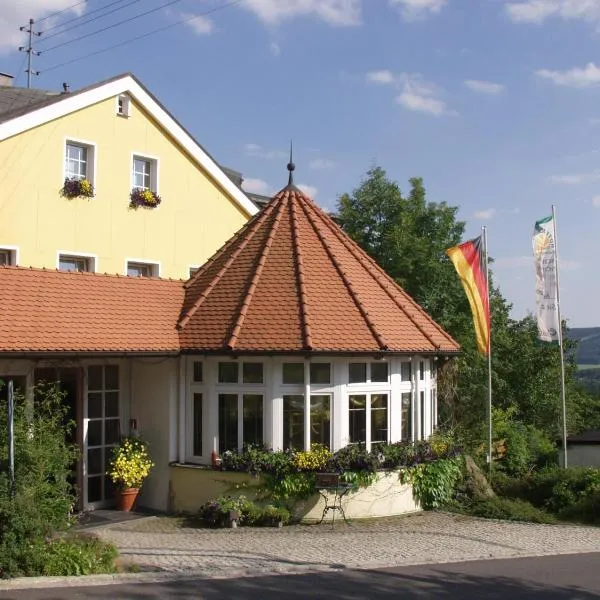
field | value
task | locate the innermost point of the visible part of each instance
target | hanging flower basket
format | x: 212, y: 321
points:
x: 77, y: 188
x: 143, y: 198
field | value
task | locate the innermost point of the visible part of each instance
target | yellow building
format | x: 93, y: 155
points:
x: 159, y: 206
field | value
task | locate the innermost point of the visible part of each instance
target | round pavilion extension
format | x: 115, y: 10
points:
x: 295, y: 336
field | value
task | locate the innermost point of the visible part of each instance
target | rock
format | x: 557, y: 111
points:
x: 477, y: 486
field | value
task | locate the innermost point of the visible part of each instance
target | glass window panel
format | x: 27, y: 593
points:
x: 95, y: 462
x: 198, y: 372
x: 228, y: 372
x: 320, y: 373
x: 358, y: 418
x: 433, y: 410
x: 293, y: 373
x: 421, y: 370
x: 139, y: 270
x: 112, y: 431
x: 379, y: 372
x: 252, y: 372
x: 293, y: 422
x: 94, y: 433
x: 357, y: 373
x: 406, y: 416
x: 109, y: 487
x: 379, y: 420
x: 197, y: 424
x: 4, y: 257
x: 111, y: 377
x: 94, y: 486
x: 111, y: 404
x: 320, y: 419
x: 94, y: 405
x: 253, y: 419
x: 95, y: 377
x: 228, y: 421
x: 422, y: 413
x: 405, y: 371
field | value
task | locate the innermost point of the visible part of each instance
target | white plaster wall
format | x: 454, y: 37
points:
x: 154, y: 384
x: 584, y: 455
x: 385, y: 498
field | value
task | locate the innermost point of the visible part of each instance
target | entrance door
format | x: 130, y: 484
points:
x: 102, y: 431
x: 69, y: 382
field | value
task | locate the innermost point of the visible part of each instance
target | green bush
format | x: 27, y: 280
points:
x: 508, y: 510
x: 78, y: 556
x: 584, y: 510
x: 434, y: 483
x: 216, y: 512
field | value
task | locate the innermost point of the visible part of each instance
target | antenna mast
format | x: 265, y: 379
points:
x: 29, y: 49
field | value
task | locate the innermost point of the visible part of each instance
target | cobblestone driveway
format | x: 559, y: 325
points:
x: 164, y: 544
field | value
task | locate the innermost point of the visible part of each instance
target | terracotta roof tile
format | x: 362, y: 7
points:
x: 55, y: 311
x: 292, y: 280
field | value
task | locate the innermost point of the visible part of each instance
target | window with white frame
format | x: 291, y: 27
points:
x: 8, y: 256
x: 319, y: 418
x: 368, y: 418
x: 406, y: 416
x: 250, y: 372
x: 196, y: 410
x: 141, y: 269
x: 422, y: 413
x: 145, y: 173
x: 193, y: 271
x: 79, y: 161
x: 68, y: 262
x: 406, y: 370
x: 368, y: 372
x: 123, y: 106
x: 433, y: 410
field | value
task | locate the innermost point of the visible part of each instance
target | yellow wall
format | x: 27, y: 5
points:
x: 194, y: 219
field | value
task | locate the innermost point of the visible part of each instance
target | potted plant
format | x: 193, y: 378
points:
x: 128, y: 467
x: 75, y: 187
x: 144, y: 198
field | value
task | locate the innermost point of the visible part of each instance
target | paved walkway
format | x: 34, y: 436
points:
x: 166, y: 544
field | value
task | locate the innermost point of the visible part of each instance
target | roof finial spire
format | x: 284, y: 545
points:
x: 291, y: 166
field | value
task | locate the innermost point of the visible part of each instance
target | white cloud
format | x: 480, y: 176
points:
x: 594, y: 121
x: 484, y: 87
x: 484, y: 215
x: 412, y: 10
x: 310, y: 190
x: 199, y: 24
x: 537, y: 11
x: 576, y: 178
x: 333, y: 12
x: 383, y: 76
x: 421, y: 96
x: 596, y: 201
x: 256, y: 186
x: 15, y: 13
x: 576, y: 77
x: 320, y: 164
x: 260, y: 152
x: 275, y: 49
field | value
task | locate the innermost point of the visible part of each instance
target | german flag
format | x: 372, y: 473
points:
x: 468, y: 259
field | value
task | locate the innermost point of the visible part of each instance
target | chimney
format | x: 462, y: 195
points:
x: 6, y: 80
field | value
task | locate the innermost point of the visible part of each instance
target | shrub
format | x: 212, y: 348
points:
x: 434, y: 483
x: 316, y: 459
x: 508, y: 510
x: 79, y: 556
x: 216, y: 513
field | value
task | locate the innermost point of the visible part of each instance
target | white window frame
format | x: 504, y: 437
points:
x: 91, y: 258
x: 154, y: 171
x: 368, y: 393
x: 369, y: 376
x: 154, y: 266
x: 240, y: 379
x: 13, y: 254
x: 91, y: 159
x: 240, y: 391
x: 123, y: 106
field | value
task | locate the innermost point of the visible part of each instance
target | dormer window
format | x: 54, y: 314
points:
x: 123, y: 106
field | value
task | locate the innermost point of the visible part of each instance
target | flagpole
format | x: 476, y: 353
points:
x: 489, y: 349
x: 560, y: 343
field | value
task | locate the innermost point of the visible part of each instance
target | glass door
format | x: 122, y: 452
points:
x: 102, y: 431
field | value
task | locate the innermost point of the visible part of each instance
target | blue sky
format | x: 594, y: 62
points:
x: 494, y: 103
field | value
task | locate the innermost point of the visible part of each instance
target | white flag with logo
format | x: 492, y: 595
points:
x: 546, y: 288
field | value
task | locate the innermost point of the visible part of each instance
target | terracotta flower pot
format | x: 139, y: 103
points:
x: 126, y: 498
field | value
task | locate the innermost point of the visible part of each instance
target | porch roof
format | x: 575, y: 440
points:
x: 54, y: 311
x: 292, y: 281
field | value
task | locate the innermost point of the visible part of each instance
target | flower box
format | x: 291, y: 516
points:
x: 77, y: 188
x: 143, y: 198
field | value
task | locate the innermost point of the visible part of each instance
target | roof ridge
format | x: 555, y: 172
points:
x: 254, y: 281
x: 353, y: 294
x: 183, y: 321
x: 306, y: 326
x: 362, y: 255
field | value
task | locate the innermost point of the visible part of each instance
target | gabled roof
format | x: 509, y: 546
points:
x: 26, y: 111
x: 55, y: 311
x: 292, y: 281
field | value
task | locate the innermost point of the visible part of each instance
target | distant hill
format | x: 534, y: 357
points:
x: 588, y: 350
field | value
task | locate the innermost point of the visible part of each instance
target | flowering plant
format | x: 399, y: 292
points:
x: 145, y: 198
x: 130, y: 463
x: 77, y: 188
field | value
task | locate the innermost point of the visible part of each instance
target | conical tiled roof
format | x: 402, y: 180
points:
x: 292, y: 281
